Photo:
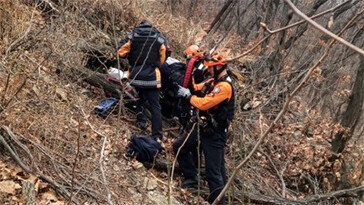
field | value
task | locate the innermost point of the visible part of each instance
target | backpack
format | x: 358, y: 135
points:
x: 143, y: 148
x: 172, y: 75
x: 104, y: 108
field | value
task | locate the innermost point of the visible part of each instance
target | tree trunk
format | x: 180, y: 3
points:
x: 353, y: 112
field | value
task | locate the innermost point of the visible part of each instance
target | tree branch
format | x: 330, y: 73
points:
x: 271, y: 32
x: 276, y: 200
x: 327, y: 32
x: 353, y: 192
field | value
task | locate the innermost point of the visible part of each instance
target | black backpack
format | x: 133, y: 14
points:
x: 143, y: 148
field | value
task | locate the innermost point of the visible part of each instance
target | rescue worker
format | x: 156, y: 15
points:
x: 194, y: 69
x: 146, y: 49
x: 193, y: 74
x: 188, y: 156
x: 217, y: 110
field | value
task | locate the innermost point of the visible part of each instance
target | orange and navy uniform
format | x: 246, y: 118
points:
x: 125, y: 49
x: 221, y: 91
x: 218, y: 103
x: 145, y: 49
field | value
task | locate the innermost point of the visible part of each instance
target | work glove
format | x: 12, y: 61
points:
x: 183, y: 92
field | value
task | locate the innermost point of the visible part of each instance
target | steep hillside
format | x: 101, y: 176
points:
x: 55, y: 150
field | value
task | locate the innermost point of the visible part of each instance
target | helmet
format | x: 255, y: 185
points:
x: 192, y: 50
x: 214, y: 59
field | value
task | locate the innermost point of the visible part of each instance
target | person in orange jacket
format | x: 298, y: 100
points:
x: 188, y: 155
x: 217, y: 111
x: 146, y: 49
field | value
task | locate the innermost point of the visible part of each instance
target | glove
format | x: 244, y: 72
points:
x: 183, y: 92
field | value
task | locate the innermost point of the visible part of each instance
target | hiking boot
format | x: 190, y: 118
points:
x: 142, y: 125
x: 189, y: 183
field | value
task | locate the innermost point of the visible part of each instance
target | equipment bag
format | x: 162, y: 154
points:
x: 143, y: 148
x: 104, y: 108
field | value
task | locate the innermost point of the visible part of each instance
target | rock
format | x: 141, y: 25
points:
x: 137, y: 165
x: 73, y: 122
x: 135, y: 195
x: 163, y: 175
x: 85, y: 91
x: 150, y: 184
x: 62, y: 94
x: 247, y: 106
x: 297, y: 133
x: 36, y: 90
x: 160, y: 199
x: 116, y: 168
x: 9, y: 187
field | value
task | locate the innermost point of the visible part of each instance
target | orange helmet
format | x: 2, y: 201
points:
x: 214, y: 59
x: 192, y: 50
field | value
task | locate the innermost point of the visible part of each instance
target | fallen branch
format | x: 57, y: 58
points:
x: 59, y: 188
x: 14, y: 156
x: 76, y: 160
x: 225, y: 8
x: 90, y: 192
x: 97, y: 80
x: 276, y: 200
x: 81, y: 187
x: 353, y: 192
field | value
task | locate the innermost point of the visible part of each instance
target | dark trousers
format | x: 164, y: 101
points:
x: 188, y: 156
x: 152, y: 97
x: 213, y: 144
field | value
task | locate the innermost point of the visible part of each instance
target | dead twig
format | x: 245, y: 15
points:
x: 51, y: 5
x: 14, y: 96
x: 76, y: 159
x: 5, y: 89
x: 103, y: 172
x: 279, y: 173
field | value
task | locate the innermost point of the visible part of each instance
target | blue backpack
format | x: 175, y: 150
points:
x: 105, y: 107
